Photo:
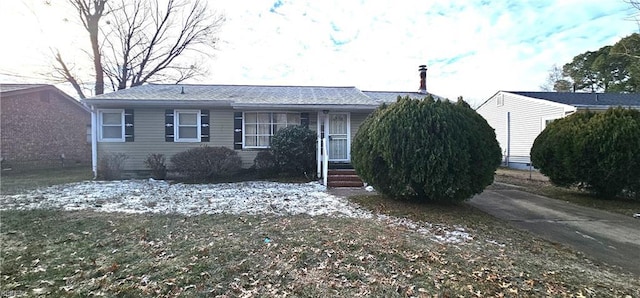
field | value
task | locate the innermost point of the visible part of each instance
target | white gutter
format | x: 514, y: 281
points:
x: 603, y: 107
x: 157, y: 103
x: 336, y: 107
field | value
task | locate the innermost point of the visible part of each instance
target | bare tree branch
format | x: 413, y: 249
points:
x: 138, y: 41
x: 154, y: 39
x: 90, y: 12
x: 65, y: 72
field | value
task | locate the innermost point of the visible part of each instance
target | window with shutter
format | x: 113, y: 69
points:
x: 204, y: 125
x: 237, y: 130
x: 187, y: 126
x: 168, y: 126
x: 111, y: 125
x: 128, y: 125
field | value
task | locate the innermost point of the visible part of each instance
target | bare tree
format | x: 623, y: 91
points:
x: 556, y: 81
x: 89, y: 12
x: 146, y: 41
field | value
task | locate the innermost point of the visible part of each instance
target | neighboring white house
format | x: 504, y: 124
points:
x: 519, y: 117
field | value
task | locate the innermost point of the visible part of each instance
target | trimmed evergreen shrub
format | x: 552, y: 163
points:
x: 206, y: 163
x: 110, y: 166
x: 426, y: 150
x: 557, y: 149
x: 156, y: 163
x: 294, y: 148
x: 265, y: 164
x: 596, y: 151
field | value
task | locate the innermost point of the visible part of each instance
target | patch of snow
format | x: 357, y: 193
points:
x: 256, y: 197
x: 438, y: 233
x: 496, y: 243
x: 153, y: 196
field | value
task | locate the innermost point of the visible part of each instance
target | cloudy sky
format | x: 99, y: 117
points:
x: 472, y: 48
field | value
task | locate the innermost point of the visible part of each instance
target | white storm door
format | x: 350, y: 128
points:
x: 338, y: 135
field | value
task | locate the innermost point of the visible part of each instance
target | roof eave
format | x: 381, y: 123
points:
x: 331, y: 107
x: 155, y: 103
x: 603, y: 107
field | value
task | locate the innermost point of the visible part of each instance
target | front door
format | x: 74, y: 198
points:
x: 338, y: 135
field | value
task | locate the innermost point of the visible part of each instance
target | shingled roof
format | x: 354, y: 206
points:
x: 7, y: 88
x: 252, y: 95
x: 392, y: 96
x: 586, y: 100
x: 241, y: 94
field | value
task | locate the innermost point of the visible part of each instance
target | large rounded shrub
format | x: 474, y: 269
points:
x: 294, y: 148
x: 596, y: 151
x: 206, y: 163
x: 426, y: 150
x: 557, y: 150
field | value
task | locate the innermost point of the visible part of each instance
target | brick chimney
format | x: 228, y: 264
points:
x: 423, y: 79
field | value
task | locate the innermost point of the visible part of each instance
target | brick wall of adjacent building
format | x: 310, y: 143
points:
x: 36, y: 128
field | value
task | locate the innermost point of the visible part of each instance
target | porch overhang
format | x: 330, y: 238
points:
x: 306, y: 107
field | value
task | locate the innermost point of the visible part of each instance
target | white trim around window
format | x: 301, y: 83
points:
x: 186, y: 125
x: 111, y: 125
x: 545, y: 121
x: 259, y: 127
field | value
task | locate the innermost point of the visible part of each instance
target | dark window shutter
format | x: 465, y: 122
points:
x: 304, y: 119
x: 204, y: 125
x: 168, y: 125
x: 128, y: 125
x: 237, y: 130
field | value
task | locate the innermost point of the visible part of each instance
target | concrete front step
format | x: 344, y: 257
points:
x: 344, y: 177
x: 342, y: 172
x: 340, y: 183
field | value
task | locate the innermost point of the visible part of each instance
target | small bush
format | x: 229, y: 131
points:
x: 294, y: 148
x: 265, y: 164
x: 156, y: 163
x: 426, y: 150
x: 206, y: 163
x: 110, y: 166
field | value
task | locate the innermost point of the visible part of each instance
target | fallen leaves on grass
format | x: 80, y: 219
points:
x: 226, y: 256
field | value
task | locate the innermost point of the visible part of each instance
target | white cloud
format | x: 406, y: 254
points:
x: 472, y: 49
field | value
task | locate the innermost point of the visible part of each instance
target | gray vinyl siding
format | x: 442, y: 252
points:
x: 150, y: 137
x: 527, y: 121
x: 356, y: 121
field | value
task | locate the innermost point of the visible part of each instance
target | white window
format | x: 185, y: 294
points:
x: 259, y: 127
x: 500, y: 100
x: 545, y: 121
x: 111, y: 125
x: 187, y: 125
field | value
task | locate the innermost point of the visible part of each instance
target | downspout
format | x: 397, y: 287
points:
x: 94, y: 142
x: 508, y: 139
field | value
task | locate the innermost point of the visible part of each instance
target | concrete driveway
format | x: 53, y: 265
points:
x: 602, y: 236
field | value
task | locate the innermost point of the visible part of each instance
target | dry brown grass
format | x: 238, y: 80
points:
x: 55, y: 253
x: 537, y: 183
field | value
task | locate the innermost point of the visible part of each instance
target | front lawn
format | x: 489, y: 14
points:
x: 384, y: 249
x: 82, y: 253
x: 16, y: 181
